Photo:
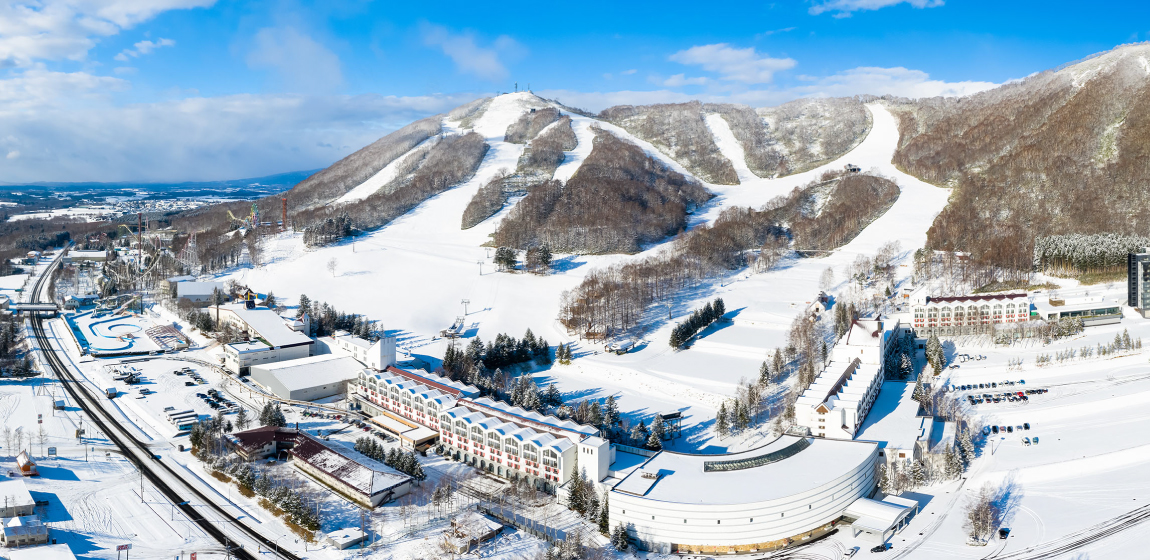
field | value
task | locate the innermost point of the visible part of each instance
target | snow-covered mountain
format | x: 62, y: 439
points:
x: 1059, y: 152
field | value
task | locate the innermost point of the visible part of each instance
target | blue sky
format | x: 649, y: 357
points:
x: 203, y: 89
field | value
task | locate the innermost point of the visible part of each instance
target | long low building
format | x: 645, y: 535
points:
x: 838, y: 401
x: 792, y: 489
x: 360, y: 480
x: 356, y: 480
x: 503, y: 440
x: 307, y: 379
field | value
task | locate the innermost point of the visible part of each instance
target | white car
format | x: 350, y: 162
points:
x: 850, y: 552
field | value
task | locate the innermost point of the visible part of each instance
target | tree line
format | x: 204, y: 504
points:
x: 404, y: 462
x: 1076, y: 253
x: 699, y: 319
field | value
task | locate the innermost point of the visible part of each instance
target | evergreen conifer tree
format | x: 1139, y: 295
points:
x: 764, y: 374
x: 721, y: 426
x: 604, y: 515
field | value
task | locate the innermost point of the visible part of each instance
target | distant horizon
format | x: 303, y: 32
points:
x: 198, y: 91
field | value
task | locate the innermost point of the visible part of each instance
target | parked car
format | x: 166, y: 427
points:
x: 1035, y: 440
x: 1026, y: 441
x: 1010, y: 429
x: 882, y: 547
x: 1003, y: 533
x: 994, y: 429
x: 1026, y: 425
x: 850, y: 552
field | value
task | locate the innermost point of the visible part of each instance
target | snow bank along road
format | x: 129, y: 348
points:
x: 221, y: 526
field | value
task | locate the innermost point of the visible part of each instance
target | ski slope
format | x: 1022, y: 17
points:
x: 414, y: 273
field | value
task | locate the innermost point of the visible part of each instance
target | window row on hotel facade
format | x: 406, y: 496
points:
x: 499, y: 445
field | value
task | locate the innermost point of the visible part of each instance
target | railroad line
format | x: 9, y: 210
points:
x: 135, y: 451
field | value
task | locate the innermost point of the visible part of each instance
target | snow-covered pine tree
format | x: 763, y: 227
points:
x: 764, y: 374
x: 722, y: 428
x: 604, y: 515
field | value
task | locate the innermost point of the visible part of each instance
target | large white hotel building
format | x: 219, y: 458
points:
x: 504, y: 440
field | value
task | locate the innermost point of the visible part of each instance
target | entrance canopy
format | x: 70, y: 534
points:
x: 880, y: 518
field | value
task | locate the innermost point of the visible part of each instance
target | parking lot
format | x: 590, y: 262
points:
x: 156, y: 388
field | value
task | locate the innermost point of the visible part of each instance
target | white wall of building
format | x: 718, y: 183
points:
x: 657, y: 525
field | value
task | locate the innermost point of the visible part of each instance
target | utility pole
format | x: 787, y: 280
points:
x: 480, y: 263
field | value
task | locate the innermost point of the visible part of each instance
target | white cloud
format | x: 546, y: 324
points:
x: 774, y: 32
x: 737, y: 65
x: 897, y: 81
x: 470, y: 58
x: 68, y: 29
x: 13, y: 154
x: 66, y: 127
x: 301, y: 63
x: 900, y: 82
x: 844, y: 8
x: 680, y: 80
x: 628, y: 72
x: 142, y: 48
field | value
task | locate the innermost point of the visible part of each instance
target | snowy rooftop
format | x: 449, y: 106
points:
x: 893, y: 421
x: 356, y: 475
x: 879, y: 515
x: 355, y: 341
x: 250, y: 346
x: 788, y: 466
x: 841, y: 385
x: 15, y: 493
x: 197, y: 289
x: 313, y: 370
x: 44, y: 552
x: 531, y: 418
x: 1085, y: 303
x: 510, y: 429
x: 431, y: 380
x: 271, y: 327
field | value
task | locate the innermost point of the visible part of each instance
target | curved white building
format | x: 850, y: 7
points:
x: 792, y: 488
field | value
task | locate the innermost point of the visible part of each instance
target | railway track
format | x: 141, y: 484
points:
x: 145, y: 460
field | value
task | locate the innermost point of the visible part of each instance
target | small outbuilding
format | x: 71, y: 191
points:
x: 345, y: 538
x: 879, y: 520
x: 26, y: 465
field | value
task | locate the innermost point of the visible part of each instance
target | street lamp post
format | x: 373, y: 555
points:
x: 174, y: 508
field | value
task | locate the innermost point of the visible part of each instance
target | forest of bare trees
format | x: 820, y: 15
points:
x: 796, y: 136
x: 855, y: 202
x: 680, y: 131
x: 530, y: 124
x: 347, y: 173
x: 1052, y: 154
x: 810, y: 132
x: 543, y: 156
x: 451, y: 161
x: 619, y: 200
x: 614, y: 299
x: 488, y: 200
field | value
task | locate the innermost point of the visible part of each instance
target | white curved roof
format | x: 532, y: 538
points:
x: 682, y: 478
